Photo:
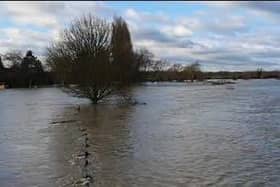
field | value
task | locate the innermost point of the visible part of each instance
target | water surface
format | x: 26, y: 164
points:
x: 186, y: 135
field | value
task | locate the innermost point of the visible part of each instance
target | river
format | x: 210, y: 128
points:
x: 185, y: 135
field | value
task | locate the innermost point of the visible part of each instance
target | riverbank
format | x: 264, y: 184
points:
x: 181, y: 76
x: 12, y: 81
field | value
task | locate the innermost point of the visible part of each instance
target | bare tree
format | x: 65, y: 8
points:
x: 82, y: 58
x: 176, y: 68
x: 143, y: 59
x: 159, y: 65
x: 193, y: 71
x: 14, y: 58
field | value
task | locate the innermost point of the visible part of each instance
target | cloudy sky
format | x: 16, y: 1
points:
x: 220, y: 35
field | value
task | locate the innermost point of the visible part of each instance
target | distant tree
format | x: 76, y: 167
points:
x: 24, y: 71
x: 82, y: 57
x: 195, y: 66
x: 143, y: 59
x: 31, y: 70
x: 159, y: 65
x: 30, y: 63
x: 259, y: 73
x: 193, y: 71
x: 122, y: 51
x: 1, y: 64
x: 176, y: 68
x: 174, y: 71
x: 14, y: 58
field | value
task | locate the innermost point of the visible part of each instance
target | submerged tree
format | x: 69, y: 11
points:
x: 82, y: 58
x: 122, y: 52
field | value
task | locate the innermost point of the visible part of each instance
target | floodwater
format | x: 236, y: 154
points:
x: 185, y: 135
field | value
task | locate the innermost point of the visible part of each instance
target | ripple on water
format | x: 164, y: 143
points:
x: 185, y: 136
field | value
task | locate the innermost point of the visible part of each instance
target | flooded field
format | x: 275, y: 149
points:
x: 185, y: 135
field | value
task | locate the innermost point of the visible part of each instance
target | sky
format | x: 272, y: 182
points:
x: 221, y: 36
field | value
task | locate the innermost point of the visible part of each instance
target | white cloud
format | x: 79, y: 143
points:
x: 219, y: 36
x: 177, y: 31
x: 132, y: 14
x: 36, y: 24
x: 32, y: 13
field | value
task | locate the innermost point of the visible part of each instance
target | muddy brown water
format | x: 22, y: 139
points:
x: 186, y: 135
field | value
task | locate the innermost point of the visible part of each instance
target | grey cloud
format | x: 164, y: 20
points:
x: 163, y: 39
x: 48, y: 17
x: 271, y: 7
x: 223, y: 41
x: 151, y: 34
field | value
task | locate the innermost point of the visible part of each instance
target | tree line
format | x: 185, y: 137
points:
x: 23, y: 71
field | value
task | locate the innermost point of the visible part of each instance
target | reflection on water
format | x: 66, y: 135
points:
x: 186, y: 135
